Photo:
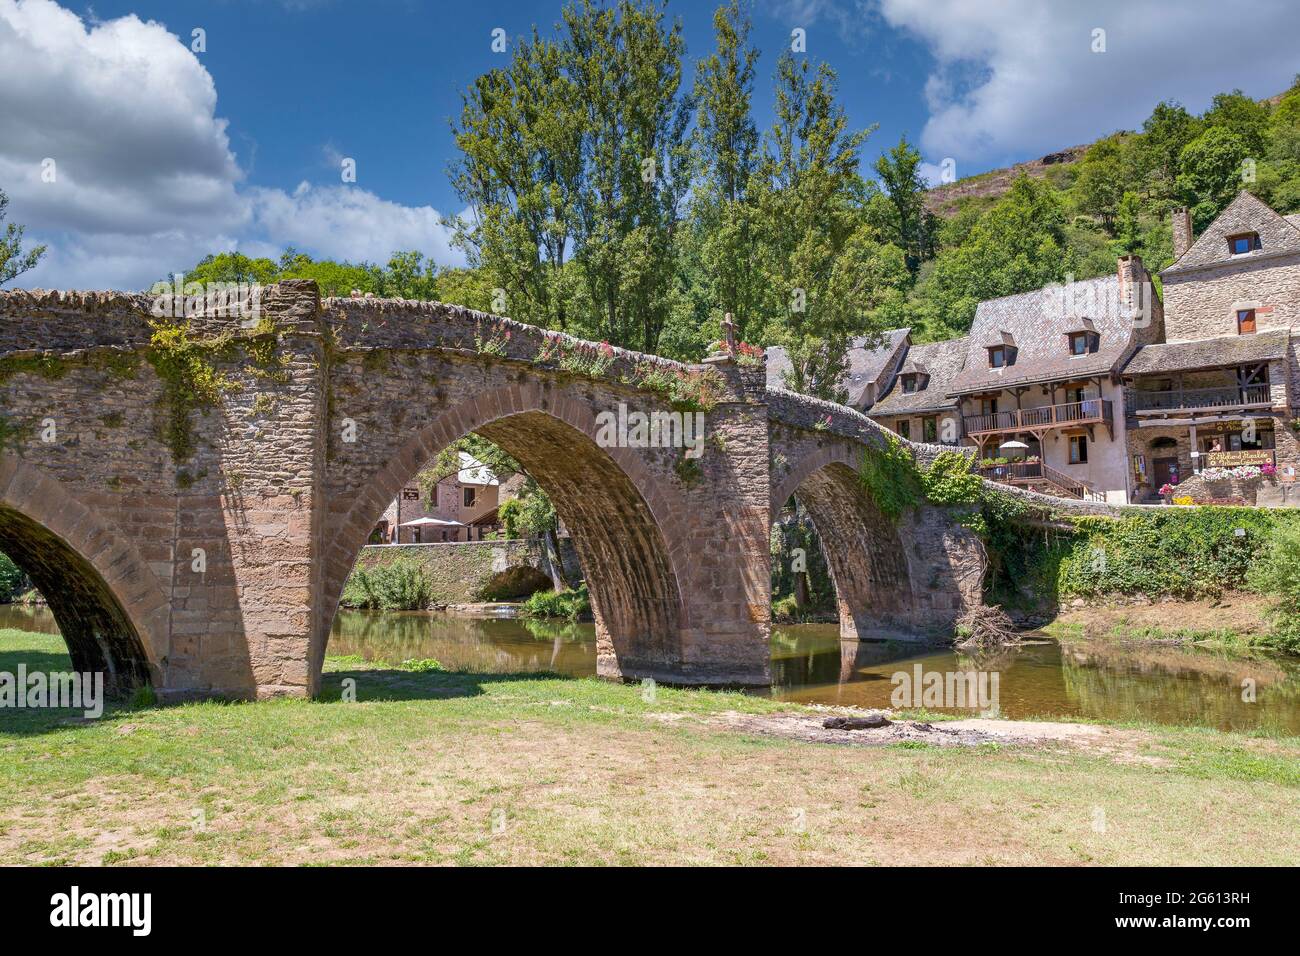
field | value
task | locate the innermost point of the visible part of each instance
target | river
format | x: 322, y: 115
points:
x: 810, y: 664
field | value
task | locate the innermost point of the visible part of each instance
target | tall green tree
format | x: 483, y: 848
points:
x: 911, y: 225
x: 1100, y: 183
x: 1128, y: 225
x: 14, y: 260
x: 234, y: 267
x: 625, y: 62
x: 574, y: 162
x: 721, y: 231
x: 1210, y: 172
x: 1166, y: 131
x: 410, y: 276
x: 826, y: 270
x: 1245, y: 117
x: 520, y: 135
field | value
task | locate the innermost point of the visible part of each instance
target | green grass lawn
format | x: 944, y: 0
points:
x: 433, y: 767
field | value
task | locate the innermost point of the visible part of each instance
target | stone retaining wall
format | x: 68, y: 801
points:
x: 468, y: 571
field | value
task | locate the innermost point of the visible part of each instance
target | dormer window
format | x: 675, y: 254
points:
x: 1000, y: 356
x: 914, y: 382
x: 1243, y: 243
x: 1081, y: 343
x: 1245, y: 321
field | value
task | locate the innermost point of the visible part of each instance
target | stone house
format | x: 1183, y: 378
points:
x: 1220, y: 391
x: 916, y: 403
x: 462, y: 506
x: 1042, y: 371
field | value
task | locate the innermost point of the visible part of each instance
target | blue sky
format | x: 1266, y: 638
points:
x: 163, y: 154
x: 378, y: 81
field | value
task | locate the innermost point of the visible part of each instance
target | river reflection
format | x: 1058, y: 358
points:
x: 490, y: 644
x: 1173, y: 685
x: 810, y: 664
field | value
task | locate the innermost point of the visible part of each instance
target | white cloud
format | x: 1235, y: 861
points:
x: 345, y: 222
x: 1019, y: 78
x: 145, y: 178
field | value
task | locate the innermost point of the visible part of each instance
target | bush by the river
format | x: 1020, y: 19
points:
x: 1277, y: 573
x: 1189, y: 553
x: 11, y: 580
x: 399, y: 585
x: 570, y: 605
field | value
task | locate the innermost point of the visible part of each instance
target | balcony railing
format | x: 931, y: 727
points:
x: 1227, y: 396
x: 1089, y: 412
x: 1027, y: 472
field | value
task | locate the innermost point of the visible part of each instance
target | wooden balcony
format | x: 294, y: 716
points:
x: 1034, y: 473
x: 1142, y: 402
x: 1094, y: 411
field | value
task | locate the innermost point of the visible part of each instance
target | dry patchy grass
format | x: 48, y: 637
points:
x: 480, y: 769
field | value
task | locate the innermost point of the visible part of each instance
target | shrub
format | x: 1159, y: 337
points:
x: 950, y: 481
x: 421, y: 665
x: 400, y: 585
x: 890, y: 476
x: 1277, y: 573
x: 784, y: 609
x: 570, y: 605
x: 1182, y: 552
x: 11, y: 580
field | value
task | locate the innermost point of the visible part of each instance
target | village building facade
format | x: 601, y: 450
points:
x: 916, y: 404
x: 1220, y: 392
x: 460, y: 506
x: 1040, y: 393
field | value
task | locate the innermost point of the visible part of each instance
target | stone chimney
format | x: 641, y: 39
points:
x: 1138, y: 301
x: 1132, y: 273
x: 1182, y: 232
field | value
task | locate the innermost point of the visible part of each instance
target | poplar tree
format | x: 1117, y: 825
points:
x: 574, y: 163
x: 826, y: 272
x: 722, y: 215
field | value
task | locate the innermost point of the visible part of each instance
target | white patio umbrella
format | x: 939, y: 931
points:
x: 432, y: 522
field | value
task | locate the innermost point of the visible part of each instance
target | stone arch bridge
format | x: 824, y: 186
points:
x: 190, y: 494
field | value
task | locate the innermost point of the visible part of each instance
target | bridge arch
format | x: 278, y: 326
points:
x: 863, y: 549
x: 617, y: 512
x: 106, y: 600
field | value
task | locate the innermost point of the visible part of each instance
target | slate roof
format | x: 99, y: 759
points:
x: 1209, y: 353
x: 1246, y: 213
x: 866, y: 365
x: 1038, y: 324
x: 942, y: 361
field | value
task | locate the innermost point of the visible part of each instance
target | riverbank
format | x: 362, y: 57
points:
x: 438, y: 767
x: 1236, y: 620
